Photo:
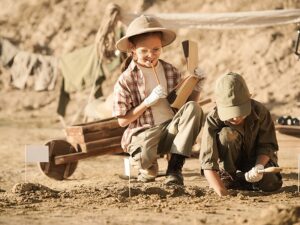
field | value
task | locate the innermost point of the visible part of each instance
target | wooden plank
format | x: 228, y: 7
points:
x: 287, y: 138
x: 281, y: 136
x: 93, y: 122
x: 94, y: 136
x: 81, y: 129
x: 67, y: 171
x: 74, y: 157
x: 94, y: 145
x: 286, y: 129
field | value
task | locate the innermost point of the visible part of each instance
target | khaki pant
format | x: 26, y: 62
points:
x: 231, y: 159
x: 174, y: 136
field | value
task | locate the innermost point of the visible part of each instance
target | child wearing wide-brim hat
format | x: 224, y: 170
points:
x: 141, y: 25
x: 140, y: 103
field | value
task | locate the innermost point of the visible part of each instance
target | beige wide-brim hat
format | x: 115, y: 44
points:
x: 145, y: 24
x: 233, y: 98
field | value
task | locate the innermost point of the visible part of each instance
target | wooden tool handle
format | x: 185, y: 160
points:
x: 204, y: 101
x: 154, y: 70
x: 271, y: 170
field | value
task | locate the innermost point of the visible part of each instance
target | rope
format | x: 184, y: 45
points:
x: 105, y: 41
x: 233, y: 20
x: 105, y: 38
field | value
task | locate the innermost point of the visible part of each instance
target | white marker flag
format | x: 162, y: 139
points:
x: 127, y: 167
x: 36, y: 153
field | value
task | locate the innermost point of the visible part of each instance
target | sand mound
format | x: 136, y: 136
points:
x: 24, y: 188
x: 32, y: 192
x: 280, y: 215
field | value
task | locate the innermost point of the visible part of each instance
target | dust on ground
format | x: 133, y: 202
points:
x: 95, y: 194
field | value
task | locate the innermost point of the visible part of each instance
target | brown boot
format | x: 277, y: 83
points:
x: 174, y: 171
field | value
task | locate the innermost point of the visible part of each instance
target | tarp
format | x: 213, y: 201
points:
x: 7, y: 51
x: 234, y: 20
x: 43, y: 69
x: 22, y: 65
x: 79, y: 68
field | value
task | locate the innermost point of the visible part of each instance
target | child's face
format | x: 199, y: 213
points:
x: 237, y: 120
x: 147, y: 50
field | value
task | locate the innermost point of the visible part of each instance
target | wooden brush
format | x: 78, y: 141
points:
x: 266, y: 170
x: 271, y: 170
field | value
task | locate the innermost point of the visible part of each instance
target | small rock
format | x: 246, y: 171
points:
x: 158, y: 210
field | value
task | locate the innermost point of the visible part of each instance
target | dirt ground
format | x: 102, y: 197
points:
x: 95, y: 194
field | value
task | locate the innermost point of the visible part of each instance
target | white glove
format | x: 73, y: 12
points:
x: 253, y: 175
x: 201, y: 74
x: 157, y: 93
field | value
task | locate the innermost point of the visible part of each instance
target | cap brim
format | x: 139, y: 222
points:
x: 226, y: 113
x: 167, y: 38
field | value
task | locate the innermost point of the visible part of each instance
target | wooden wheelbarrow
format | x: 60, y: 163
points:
x: 82, y: 141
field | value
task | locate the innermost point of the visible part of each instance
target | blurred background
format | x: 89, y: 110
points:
x: 51, y: 30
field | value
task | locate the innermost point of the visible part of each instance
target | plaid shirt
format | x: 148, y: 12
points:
x: 129, y: 92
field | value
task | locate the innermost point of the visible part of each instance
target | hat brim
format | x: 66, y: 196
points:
x: 168, y: 36
x: 226, y: 113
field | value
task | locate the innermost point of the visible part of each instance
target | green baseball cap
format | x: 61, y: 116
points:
x: 232, y: 96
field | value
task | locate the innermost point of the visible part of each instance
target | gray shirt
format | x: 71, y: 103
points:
x: 258, y: 134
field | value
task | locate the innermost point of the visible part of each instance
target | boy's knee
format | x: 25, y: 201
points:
x: 270, y: 182
x: 228, y: 136
x: 194, y: 107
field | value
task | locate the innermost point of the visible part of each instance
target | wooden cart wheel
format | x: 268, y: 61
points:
x: 63, y: 171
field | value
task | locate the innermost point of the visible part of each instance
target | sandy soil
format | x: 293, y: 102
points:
x: 95, y: 194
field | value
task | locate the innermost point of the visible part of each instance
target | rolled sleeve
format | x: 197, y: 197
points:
x: 122, y: 102
x: 266, y: 141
